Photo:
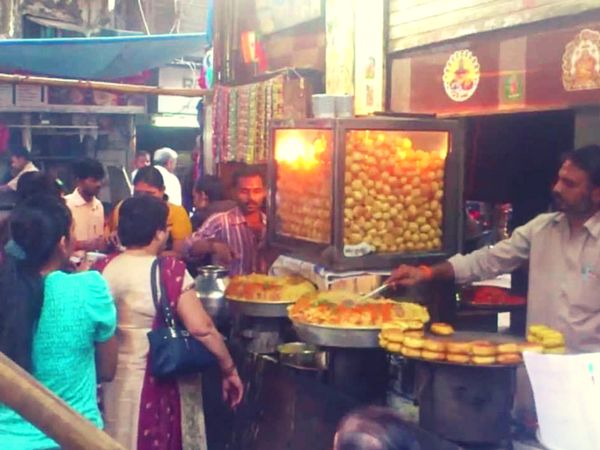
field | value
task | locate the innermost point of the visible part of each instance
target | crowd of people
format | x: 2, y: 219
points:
x: 72, y: 325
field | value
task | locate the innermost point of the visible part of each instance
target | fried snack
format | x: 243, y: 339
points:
x: 414, y: 333
x: 259, y: 287
x: 393, y: 335
x: 509, y: 358
x: 442, y: 329
x: 509, y: 347
x: 458, y: 347
x: 483, y: 348
x: 344, y: 309
x: 413, y: 342
x: 383, y: 342
x: 556, y: 350
x: 548, y: 337
x: 434, y: 346
x: 433, y: 356
x: 458, y: 358
x: 393, y: 347
x: 410, y: 325
x: 410, y: 352
x: 483, y: 360
x: 531, y: 347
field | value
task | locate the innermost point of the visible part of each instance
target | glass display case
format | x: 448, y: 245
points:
x: 384, y: 189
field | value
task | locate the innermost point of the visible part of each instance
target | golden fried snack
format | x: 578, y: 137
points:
x: 410, y: 352
x: 394, y: 348
x: 414, y: 333
x: 555, y: 350
x: 442, y: 329
x: 393, y: 335
x: 413, y: 342
x: 434, y: 346
x: 531, y: 347
x: 509, y: 347
x: 383, y: 342
x: 483, y: 348
x: 483, y: 360
x: 433, y: 356
x: 509, y: 358
x: 458, y: 358
x: 458, y: 347
x: 553, y: 340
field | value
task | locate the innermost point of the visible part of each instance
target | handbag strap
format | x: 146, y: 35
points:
x: 159, y: 298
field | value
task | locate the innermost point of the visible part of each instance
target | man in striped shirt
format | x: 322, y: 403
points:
x: 236, y: 237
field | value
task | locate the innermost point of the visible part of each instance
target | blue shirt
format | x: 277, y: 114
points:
x: 78, y: 311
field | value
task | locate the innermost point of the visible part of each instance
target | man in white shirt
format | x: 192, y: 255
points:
x: 87, y: 210
x: 165, y: 160
x: 20, y: 162
x: 142, y: 159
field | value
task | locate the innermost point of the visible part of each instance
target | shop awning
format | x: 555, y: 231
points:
x: 96, y: 58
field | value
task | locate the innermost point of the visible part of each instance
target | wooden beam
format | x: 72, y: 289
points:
x: 21, y: 392
x: 102, y: 86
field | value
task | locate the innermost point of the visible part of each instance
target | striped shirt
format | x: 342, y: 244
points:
x: 231, y: 228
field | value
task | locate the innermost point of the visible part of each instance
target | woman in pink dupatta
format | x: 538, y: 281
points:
x: 140, y: 411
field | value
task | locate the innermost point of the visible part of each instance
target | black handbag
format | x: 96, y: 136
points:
x: 173, y: 351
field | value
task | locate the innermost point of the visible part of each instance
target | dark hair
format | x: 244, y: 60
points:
x: 374, y: 428
x: 150, y: 175
x: 20, y: 152
x: 88, y: 168
x: 139, y: 220
x: 211, y: 186
x: 140, y: 153
x: 247, y: 172
x: 36, y: 227
x: 37, y: 183
x: 587, y: 159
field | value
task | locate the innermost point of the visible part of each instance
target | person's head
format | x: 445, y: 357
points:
x: 143, y: 223
x: 166, y: 157
x: 577, y: 189
x: 89, y: 174
x: 374, y: 428
x: 149, y: 181
x: 206, y: 190
x: 250, y: 189
x: 31, y: 184
x: 39, y: 242
x: 142, y: 159
x: 19, y: 157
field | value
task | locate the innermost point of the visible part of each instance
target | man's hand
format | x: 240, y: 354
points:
x: 409, y: 276
x: 222, y: 254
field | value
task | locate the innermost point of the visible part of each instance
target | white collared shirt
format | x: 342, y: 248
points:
x: 172, y: 185
x: 88, y: 217
x: 29, y: 167
x: 564, y: 274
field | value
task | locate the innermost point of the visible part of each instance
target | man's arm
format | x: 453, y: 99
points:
x: 487, y: 262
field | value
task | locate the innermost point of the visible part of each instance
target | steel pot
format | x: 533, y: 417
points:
x: 300, y: 354
x: 210, y: 286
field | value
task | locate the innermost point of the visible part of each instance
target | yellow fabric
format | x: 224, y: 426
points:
x: 178, y: 221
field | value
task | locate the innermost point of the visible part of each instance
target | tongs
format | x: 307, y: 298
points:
x: 375, y: 291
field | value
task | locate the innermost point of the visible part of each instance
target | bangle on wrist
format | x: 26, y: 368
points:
x: 426, y: 272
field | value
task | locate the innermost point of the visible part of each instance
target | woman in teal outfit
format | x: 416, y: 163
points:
x: 55, y: 325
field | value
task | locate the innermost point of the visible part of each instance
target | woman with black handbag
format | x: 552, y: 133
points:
x: 147, y: 405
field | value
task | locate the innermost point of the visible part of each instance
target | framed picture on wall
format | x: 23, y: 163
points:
x: 276, y: 15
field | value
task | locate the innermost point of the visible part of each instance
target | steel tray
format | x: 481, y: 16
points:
x: 338, y: 337
x: 259, y: 309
